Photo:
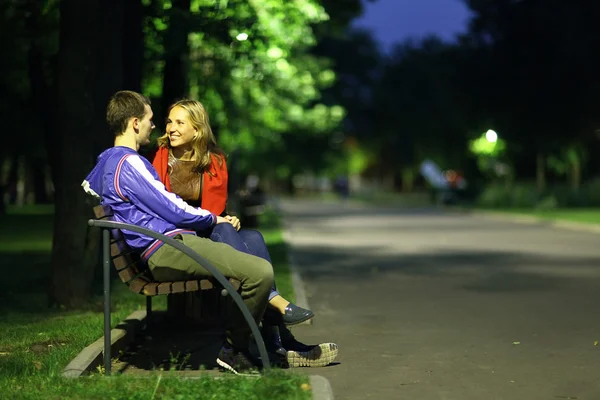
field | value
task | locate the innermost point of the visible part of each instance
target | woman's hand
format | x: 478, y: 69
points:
x: 233, y: 220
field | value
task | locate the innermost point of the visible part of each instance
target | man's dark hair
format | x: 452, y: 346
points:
x: 123, y: 106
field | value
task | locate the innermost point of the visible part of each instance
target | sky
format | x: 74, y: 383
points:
x: 392, y: 21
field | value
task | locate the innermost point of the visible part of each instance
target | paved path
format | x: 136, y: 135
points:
x: 427, y: 305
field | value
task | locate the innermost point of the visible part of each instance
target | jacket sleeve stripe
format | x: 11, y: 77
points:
x: 117, y: 175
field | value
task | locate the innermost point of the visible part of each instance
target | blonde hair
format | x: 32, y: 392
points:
x: 205, y: 143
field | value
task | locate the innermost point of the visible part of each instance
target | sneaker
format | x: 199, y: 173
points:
x: 302, y: 355
x: 238, y: 361
x: 312, y: 356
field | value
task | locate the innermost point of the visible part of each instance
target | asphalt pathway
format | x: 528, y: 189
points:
x: 432, y: 305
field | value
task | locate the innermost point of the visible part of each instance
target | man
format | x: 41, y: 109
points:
x: 129, y: 185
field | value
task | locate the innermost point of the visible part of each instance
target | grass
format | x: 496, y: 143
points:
x: 37, y: 342
x: 581, y: 215
x: 270, y: 227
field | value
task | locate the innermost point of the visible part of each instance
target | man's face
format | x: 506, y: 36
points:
x: 145, y: 126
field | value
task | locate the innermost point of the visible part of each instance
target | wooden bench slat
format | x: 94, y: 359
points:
x: 151, y: 289
x: 117, y: 248
x: 128, y: 274
x: 164, y: 288
x: 178, y: 287
x: 100, y: 212
x: 129, y: 254
x: 137, y: 285
x: 123, y: 262
x: 205, y: 284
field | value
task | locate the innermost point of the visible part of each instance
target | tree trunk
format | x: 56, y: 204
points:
x: 21, y: 181
x: 39, y: 182
x: 389, y: 180
x: 408, y: 179
x: 109, y: 65
x: 12, y: 176
x: 575, y: 175
x: 43, y: 95
x: 177, y: 49
x: 541, y: 172
x: 84, y: 71
x: 133, y: 45
x: 4, y: 164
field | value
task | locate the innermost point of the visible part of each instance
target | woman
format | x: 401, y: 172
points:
x: 191, y: 165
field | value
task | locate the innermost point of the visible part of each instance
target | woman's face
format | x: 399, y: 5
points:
x: 180, y: 129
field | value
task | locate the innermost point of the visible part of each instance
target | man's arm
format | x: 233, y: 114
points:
x: 138, y: 185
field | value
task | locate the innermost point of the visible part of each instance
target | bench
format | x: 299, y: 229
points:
x: 136, y: 275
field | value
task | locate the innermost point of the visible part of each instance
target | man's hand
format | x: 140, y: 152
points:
x: 233, y: 220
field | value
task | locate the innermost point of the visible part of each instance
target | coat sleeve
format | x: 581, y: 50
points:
x: 138, y: 183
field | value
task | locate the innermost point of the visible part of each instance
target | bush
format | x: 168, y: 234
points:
x: 494, y: 196
x: 523, y: 196
x: 547, y: 203
x: 526, y: 195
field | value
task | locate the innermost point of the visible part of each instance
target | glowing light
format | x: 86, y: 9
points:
x: 242, y: 36
x: 491, y: 136
x: 275, y: 52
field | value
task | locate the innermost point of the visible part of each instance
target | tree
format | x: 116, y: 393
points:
x: 85, y: 77
x: 542, y: 76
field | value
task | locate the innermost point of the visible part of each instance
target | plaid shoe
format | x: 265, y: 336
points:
x: 238, y: 361
x: 313, y: 356
x: 302, y: 355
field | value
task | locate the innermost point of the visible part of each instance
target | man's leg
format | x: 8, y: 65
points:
x: 226, y: 233
x: 254, y: 273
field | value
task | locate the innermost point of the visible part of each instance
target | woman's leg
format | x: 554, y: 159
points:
x: 292, y: 314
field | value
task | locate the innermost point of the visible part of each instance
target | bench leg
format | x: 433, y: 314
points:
x: 106, y: 267
x: 148, y: 310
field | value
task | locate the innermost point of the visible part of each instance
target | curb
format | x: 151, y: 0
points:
x: 321, y: 388
x: 528, y: 219
x: 92, y: 356
x: 297, y: 283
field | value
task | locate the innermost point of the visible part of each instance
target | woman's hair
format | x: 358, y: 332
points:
x: 205, y: 143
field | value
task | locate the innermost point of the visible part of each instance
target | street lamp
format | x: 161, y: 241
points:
x: 491, y: 136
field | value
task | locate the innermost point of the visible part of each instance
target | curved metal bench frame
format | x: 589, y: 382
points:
x: 107, y: 225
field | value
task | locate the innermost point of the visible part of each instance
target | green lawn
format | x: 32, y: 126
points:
x: 270, y: 227
x: 582, y: 215
x: 37, y: 342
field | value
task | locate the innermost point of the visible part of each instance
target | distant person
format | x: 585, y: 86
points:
x: 129, y: 185
x: 342, y: 187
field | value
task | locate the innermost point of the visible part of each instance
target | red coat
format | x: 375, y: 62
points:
x: 214, y: 187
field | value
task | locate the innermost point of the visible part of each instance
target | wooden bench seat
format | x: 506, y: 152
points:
x: 137, y: 276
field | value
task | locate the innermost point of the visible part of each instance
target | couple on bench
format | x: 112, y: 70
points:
x: 183, y: 194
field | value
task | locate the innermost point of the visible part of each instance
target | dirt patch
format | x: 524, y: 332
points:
x: 46, y: 347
